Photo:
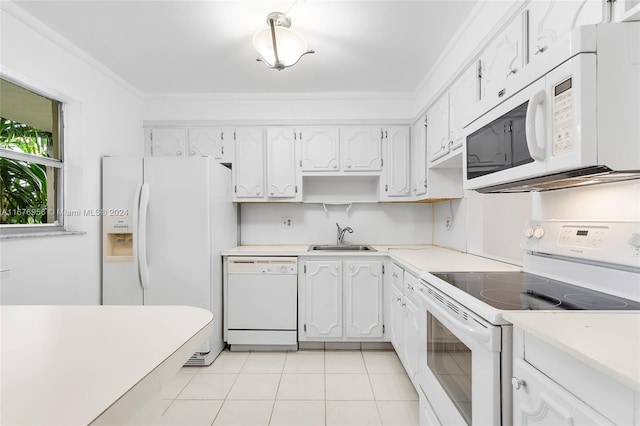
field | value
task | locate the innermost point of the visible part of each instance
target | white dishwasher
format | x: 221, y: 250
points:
x: 262, y: 302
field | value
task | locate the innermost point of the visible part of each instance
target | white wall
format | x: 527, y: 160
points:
x: 371, y: 223
x: 612, y: 201
x: 102, y: 116
x: 487, y: 225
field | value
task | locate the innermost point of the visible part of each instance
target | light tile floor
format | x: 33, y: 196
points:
x: 310, y: 387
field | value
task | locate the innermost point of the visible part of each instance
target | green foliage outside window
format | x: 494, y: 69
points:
x: 23, y: 185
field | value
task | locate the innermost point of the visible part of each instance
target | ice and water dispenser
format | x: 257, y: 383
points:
x: 118, y: 238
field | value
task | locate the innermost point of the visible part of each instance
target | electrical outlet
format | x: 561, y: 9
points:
x: 286, y: 222
x: 449, y: 223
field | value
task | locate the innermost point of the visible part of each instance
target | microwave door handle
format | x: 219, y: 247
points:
x: 536, y: 150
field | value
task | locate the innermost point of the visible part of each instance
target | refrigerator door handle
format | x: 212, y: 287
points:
x: 143, y: 268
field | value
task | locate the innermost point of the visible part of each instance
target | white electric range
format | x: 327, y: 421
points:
x: 466, y: 353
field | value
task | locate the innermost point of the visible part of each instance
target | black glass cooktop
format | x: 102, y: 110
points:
x: 515, y: 291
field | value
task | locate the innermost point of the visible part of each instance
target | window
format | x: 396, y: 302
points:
x: 31, y: 166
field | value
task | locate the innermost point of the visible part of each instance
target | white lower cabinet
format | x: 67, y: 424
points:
x: 340, y: 300
x: 550, y: 387
x: 427, y: 414
x: 541, y: 401
x: 404, y: 322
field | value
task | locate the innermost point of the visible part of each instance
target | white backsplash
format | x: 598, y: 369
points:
x: 611, y: 201
x: 372, y: 223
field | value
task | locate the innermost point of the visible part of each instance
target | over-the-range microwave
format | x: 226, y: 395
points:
x: 572, y: 118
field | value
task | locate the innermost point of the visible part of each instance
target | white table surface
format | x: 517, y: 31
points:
x: 67, y: 365
x: 607, y: 341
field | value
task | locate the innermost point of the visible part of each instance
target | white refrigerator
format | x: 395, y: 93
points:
x: 165, y: 221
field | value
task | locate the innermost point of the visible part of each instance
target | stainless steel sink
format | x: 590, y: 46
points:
x: 341, y: 248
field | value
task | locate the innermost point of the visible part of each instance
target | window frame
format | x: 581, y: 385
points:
x: 58, y: 165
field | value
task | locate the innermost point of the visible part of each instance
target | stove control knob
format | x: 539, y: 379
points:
x: 538, y: 233
x: 528, y: 232
x: 517, y: 383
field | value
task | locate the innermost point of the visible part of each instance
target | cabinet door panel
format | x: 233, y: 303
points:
x: 323, y: 314
x: 281, y: 163
x: 501, y: 59
x: 411, y: 337
x: 419, y: 158
x: 542, y: 402
x: 361, y: 149
x: 168, y: 142
x: 438, y: 128
x: 206, y: 141
x: 549, y: 20
x: 363, y: 293
x: 397, y: 168
x: 249, y: 165
x: 462, y: 95
x: 397, y: 339
x: 320, y: 149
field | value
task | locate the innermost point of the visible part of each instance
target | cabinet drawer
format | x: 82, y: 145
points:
x: 605, y: 395
x: 541, y: 401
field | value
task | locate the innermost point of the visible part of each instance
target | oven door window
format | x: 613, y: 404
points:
x: 450, y: 361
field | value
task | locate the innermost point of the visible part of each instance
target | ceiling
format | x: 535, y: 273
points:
x: 204, y: 47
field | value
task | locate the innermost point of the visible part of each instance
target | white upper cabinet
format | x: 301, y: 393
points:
x: 463, y: 95
x: 166, y: 141
x: 438, y: 127
x: 282, y: 172
x: 249, y: 165
x: 549, y: 20
x: 319, y: 149
x: 448, y: 115
x: 501, y: 60
x: 396, y: 178
x: 626, y: 10
x: 419, y: 158
x: 361, y: 148
x: 216, y: 142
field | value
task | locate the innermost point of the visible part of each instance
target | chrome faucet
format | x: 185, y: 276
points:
x: 341, y: 232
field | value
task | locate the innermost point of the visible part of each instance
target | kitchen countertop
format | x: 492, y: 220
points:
x: 414, y: 258
x: 608, y: 342
x: 92, y: 364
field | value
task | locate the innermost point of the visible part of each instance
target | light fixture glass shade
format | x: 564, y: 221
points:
x: 291, y: 47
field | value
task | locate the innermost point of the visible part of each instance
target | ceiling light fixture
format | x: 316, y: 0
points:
x: 278, y: 46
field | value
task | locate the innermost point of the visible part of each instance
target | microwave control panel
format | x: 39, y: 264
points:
x: 562, y: 127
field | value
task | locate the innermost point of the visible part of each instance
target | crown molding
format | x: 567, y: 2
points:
x: 299, y: 96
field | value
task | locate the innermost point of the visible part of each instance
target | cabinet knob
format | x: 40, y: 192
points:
x: 222, y: 150
x: 257, y: 192
x: 398, y: 299
x: 409, y: 287
x: 179, y: 153
x: 335, y: 166
x: 193, y: 153
x: 403, y: 304
x: 512, y: 71
x: 406, y: 191
x: 394, y: 275
x: 517, y: 383
x: 539, y: 49
x: 348, y: 166
x: 272, y: 192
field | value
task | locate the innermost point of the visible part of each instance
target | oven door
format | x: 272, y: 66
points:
x: 460, y: 362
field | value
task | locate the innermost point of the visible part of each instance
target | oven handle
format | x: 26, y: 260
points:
x: 485, y: 335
